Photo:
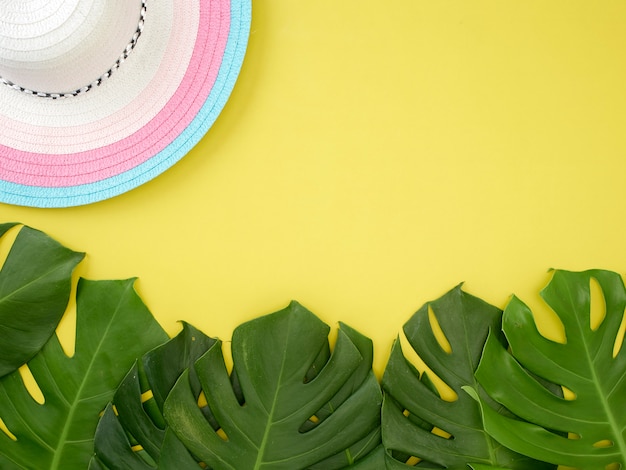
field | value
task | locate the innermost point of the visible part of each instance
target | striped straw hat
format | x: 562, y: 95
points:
x: 99, y: 96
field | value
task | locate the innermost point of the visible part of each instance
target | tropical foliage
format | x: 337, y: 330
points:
x: 417, y: 420
x: 493, y: 393
x: 590, y: 364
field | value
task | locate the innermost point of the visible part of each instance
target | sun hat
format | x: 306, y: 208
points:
x: 100, y: 96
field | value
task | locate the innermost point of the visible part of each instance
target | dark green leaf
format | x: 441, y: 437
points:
x: 112, y: 445
x: 4, y: 228
x: 412, y: 409
x: 274, y: 357
x: 584, y: 364
x: 142, y: 421
x: 35, y: 285
x: 477, y: 466
x: 113, y: 328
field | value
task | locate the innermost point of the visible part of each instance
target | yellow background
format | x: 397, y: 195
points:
x: 375, y: 154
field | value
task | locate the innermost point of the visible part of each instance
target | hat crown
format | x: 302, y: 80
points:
x: 59, y: 46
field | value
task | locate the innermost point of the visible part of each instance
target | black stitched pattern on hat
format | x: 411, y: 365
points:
x: 120, y: 60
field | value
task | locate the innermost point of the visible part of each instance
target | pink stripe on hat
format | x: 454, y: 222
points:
x: 90, y: 166
x: 70, y: 146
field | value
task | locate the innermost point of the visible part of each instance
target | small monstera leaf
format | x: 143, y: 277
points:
x: 414, y: 413
x: 113, y: 328
x: 594, y: 414
x: 137, y: 436
x: 35, y: 284
x: 294, y: 405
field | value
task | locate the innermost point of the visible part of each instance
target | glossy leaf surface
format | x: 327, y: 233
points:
x: 300, y: 406
x: 35, y: 285
x: 414, y: 413
x: 113, y: 328
x: 594, y: 415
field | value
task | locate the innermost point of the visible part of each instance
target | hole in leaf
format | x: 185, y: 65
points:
x: 114, y: 408
x: 445, y: 392
x: 412, y: 461
x: 547, y: 321
x: 145, y: 396
x: 315, y: 420
x: 234, y: 381
x: 619, y: 340
x: 137, y: 448
x: 597, y: 305
x: 222, y: 435
x: 66, y: 330
x: 568, y: 394
x: 202, y: 400
x: 31, y: 384
x: 613, y: 466
x: 550, y: 326
x: 574, y: 436
x: 418, y: 421
x: 410, y: 354
x: 227, y: 352
x: 438, y: 332
x: 5, y: 429
x: 202, y: 465
x: 603, y: 444
x: 6, y: 242
x: 441, y: 433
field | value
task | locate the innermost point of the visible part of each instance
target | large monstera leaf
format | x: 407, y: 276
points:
x: 288, y: 404
x: 414, y: 413
x: 594, y: 413
x: 136, y: 436
x: 35, y: 285
x: 113, y: 328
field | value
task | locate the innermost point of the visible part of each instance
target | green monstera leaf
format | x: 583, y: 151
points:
x: 414, y: 413
x: 588, y: 364
x: 113, y: 328
x: 137, y: 436
x: 35, y: 285
x: 294, y: 405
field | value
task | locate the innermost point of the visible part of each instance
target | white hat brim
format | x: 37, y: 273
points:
x: 138, y: 123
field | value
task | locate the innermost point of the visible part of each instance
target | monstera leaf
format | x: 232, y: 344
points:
x: 113, y: 328
x: 294, y: 405
x: 35, y: 284
x: 137, y: 435
x: 414, y: 414
x: 587, y: 364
